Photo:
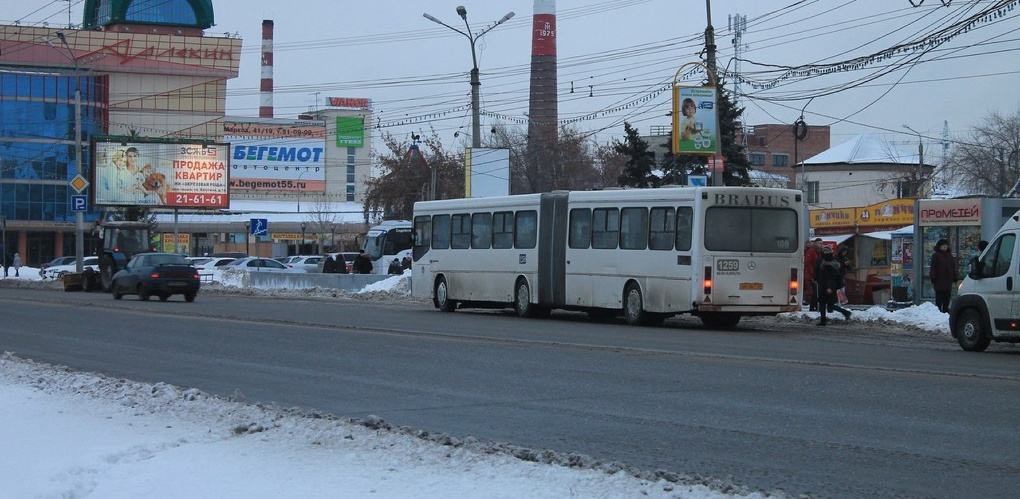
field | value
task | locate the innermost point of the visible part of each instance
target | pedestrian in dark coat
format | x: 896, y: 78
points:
x: 329, y: 265
x: 829, y: 279
x: 943, y: 274
x: 811, y: 257
x: 362, y: 263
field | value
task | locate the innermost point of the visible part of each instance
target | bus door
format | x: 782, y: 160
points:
x: 421, y: 267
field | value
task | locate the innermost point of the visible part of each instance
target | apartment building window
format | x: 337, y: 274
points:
x: 811, y: 192
x: 905, y: 189
x: 780, y: 160
x: 756, y: 159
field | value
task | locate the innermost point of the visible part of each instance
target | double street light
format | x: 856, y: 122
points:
x: 476, y: 137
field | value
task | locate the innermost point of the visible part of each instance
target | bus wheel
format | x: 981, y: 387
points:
x: 720, y: 320
x: 633, y: 305
x: 441, y: 296
x: 522, y: 300
x: 971, y: 331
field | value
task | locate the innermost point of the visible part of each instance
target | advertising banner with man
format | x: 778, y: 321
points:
x: 164, y: 175
x: 695, y: 123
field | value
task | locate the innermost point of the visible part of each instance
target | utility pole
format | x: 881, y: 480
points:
x: 920, y: 162
x: 738, y: 25
x: 709, y: 39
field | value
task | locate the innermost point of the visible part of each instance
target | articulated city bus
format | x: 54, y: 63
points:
x: 718, y: 253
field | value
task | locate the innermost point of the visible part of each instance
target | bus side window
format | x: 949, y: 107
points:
x: 605, y: 232
x: 634, y: 228
x: 441, y: 232
x: 684, y: 228
x: 661, y: 229
x: 503, y: 230
x: 580, y: 228
x: 526, y: 229
x: 460, y: 231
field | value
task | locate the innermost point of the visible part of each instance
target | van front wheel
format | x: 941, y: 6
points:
x: 971, y: 331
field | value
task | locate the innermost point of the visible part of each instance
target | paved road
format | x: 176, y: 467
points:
x: 834, y: 412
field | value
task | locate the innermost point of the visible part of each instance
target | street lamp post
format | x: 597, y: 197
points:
x: 475, y: 83
x: 79, y: 215
x: 920, y: 162
x: 303, y: 226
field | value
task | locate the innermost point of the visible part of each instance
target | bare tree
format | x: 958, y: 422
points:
x: 572, y: 166
x: 987, y: 161
x: 609, y: 165
x: 407, y: 176
x: 322, y: 219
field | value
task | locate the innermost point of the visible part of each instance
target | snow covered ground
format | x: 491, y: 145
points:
x: 76, y: 435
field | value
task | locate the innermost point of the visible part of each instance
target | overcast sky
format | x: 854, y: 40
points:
x: 619, y: 56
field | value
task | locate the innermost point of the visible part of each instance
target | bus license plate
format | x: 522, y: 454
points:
x: 751, y: 286
x: 727, y: 265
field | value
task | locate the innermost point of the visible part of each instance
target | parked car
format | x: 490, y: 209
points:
x: 58, y: 271
x: 348, y: 259
x: 60, y: 260
x: 306, y: 263
x: 257, y: 264
x: 209, y: 262
x: 159, y: 274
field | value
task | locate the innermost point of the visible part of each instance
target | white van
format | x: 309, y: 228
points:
x: 987, y: 306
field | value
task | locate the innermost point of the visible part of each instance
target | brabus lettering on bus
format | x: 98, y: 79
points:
x: 762, y: 200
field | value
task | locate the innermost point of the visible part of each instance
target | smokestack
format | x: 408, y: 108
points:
x: 266, y: 87
x: 543, y: 111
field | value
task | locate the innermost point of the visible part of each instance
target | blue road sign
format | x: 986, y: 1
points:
x: 79, y: 202
x: 259, y: 227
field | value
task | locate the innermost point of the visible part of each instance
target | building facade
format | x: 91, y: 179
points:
x: 141, y: 69
x: 146, y: 70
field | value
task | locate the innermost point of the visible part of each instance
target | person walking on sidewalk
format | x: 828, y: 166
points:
x: 811, y: 258
x: 829, y: 278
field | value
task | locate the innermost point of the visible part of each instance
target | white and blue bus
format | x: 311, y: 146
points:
x: 386, y: 241
x: 718, y: 253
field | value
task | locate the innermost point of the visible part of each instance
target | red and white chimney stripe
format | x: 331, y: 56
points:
x: 266, y: 87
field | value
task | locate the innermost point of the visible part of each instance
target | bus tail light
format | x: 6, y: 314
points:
x: 794, y: 285
x: 708, y: 281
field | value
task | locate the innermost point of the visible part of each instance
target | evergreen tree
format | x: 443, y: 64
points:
x: 735, y: 171
x: 640, y: 161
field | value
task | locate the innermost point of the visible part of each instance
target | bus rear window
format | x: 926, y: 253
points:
x: 759, y: 230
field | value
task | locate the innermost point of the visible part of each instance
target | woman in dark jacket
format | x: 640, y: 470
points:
x: 943, y: 274
x: 829, y: 278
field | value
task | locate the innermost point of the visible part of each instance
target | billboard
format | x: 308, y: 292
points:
x: 486, y: 172
x: 264, y: 164
x: 161, y: 174
x: 350, y: 131
x: 695, y: 124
